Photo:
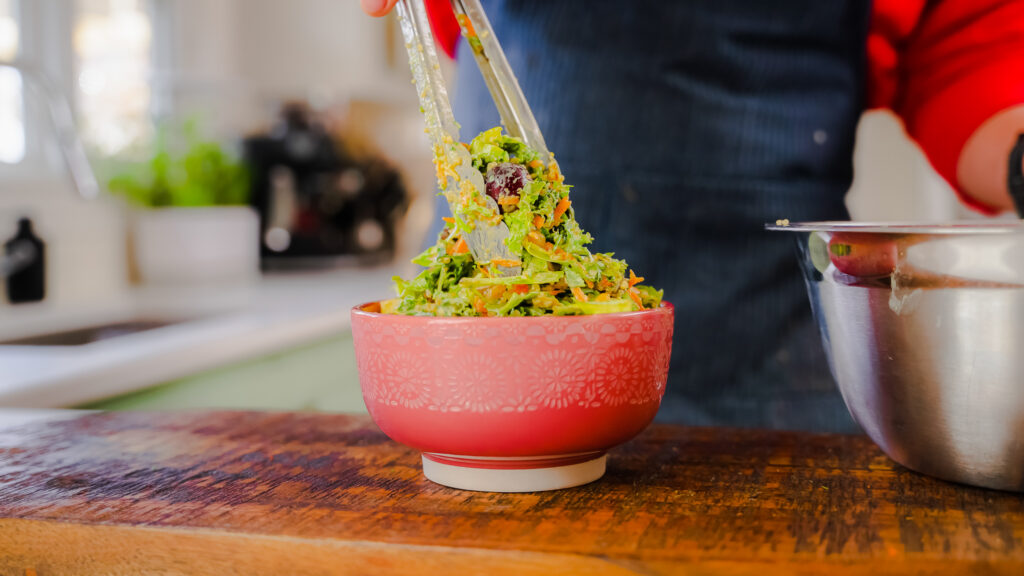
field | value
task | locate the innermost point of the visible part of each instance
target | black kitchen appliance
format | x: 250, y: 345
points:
x: 318, y: 205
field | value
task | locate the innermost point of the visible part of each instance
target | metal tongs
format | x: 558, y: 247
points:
x: 486, y: 241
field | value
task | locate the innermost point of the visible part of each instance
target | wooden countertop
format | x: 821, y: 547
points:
x: 259, y: 493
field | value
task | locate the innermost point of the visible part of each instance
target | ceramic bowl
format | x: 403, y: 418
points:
x: 513, y: 404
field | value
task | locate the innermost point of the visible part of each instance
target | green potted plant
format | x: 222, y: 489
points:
x: 192, y: 222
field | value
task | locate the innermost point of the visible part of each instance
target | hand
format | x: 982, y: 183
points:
x: 982, y: 166
x: 377, y: 7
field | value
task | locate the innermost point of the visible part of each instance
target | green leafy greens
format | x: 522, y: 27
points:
x: 560, y: 276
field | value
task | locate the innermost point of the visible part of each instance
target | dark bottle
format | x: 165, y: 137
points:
x: 25, y: 256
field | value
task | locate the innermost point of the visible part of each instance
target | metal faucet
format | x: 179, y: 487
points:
x: 82, y: 175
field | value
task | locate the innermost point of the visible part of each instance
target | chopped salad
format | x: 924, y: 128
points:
x: 559, y: 275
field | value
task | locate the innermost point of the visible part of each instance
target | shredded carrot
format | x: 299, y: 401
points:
x: 603, y: 297
x: 505, y: 262
x: 460, y: 247
x: 464, y: 145
x: 535, y: 164
x: 467, y: 25
x: 497, y: 291
x: 520, y: 288
x: 634, y: 279
x: 538, y: 221
x: 563, y: 205
x: 553, y: 175
x: 578, y: 294
x: 635, y: 295
x: 536, y: 237
x: 508, y: 200
x: 440, y: 174
x: 590, y: 284
x: 448, y: 219
x: 480, y: 307
x: 548, y: 246
x: 372, y: 307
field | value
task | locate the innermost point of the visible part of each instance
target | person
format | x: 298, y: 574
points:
x: 685, y: 126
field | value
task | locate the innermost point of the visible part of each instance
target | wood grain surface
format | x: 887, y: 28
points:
x: 272, y: 493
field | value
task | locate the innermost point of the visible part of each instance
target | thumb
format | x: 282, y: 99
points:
x: 377, y: 7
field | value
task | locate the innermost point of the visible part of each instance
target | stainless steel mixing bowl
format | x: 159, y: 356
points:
x: 924, y: 330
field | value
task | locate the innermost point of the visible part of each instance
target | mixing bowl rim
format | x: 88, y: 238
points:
x: 960, y: 228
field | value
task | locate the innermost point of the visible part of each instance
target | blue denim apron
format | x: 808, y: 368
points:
x: 683, y: 127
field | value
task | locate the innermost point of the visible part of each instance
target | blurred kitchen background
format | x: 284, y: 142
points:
x: 193, y: 193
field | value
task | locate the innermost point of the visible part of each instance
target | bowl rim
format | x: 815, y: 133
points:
x: 956, y: 228
x: 663, y: 308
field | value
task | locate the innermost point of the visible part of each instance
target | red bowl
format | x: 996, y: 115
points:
x: 513, y: 404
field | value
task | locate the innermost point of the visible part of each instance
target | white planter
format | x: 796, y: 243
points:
x: 209, y: 245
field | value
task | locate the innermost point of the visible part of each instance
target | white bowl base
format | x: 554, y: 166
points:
x: 485, y: 479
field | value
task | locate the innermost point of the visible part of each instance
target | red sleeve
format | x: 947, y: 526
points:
x: 444, y: 25
x: 946, y: 66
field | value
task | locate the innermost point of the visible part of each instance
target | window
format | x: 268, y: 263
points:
x: 112, y: 42
x: 98, y: 52
x: 12, y: 113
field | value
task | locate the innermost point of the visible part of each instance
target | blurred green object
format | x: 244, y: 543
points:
x: 202, y: 173
x: 318, y: 376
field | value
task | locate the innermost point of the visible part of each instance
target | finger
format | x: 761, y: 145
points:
x: 377, y: 7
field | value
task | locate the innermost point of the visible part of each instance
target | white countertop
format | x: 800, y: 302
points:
x: 223, y: 326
